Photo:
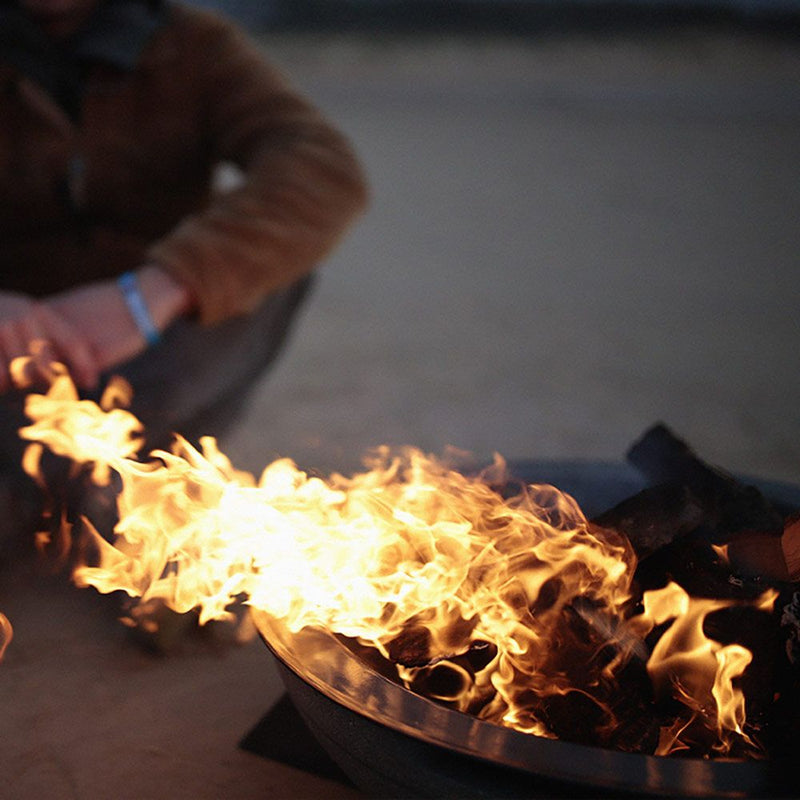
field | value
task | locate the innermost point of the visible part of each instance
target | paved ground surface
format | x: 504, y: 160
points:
x: 570, y: 239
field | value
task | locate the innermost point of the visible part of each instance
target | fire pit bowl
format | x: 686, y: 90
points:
x: 394, y: 743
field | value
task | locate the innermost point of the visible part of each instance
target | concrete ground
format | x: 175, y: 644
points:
x: 570, y: 239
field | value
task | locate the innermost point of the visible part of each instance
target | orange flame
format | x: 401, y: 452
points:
x: 413, y: 558
x: 722, y: 552
x: 6, y: 634
x: 701, y: 670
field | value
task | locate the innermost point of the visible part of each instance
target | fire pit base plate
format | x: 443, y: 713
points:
x: 296, y: 746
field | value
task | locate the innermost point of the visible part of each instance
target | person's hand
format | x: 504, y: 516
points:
x: 89, y: 328
x: 24, y: 320
x: 98, y: 312
x: 100, y: 315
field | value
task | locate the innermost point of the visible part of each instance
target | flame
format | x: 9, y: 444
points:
x: 73, y: 427
x: 6, y: 634
x: 700, y: 670
x: 722, y: 553
x: 511, y: 609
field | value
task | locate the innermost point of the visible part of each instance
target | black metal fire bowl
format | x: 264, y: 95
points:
x: 394, y: 743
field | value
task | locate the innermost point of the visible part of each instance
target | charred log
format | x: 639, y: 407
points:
x: 655, y: 516
x: 699, y: 568
x: 446, y: 682
x: 790, y: 544
x: 414, y: 646
x: 411, y: 648
x: 760, y: 543
x: 574, y: 716
x: 733, y: 506
x: 758, y: 554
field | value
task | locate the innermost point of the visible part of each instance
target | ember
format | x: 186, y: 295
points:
x: 518, y: 610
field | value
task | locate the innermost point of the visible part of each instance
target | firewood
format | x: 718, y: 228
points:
x: 445, y: 682
x: 700, y: 568
x: 663, y: 457
x: 757, y: 541
x: 574, y: 716
x: 414, y: 645
x: 757, y: 554
x: 790, y: 544
x: 655, y: 516
x: 411, y: 648
x: 765, y: 555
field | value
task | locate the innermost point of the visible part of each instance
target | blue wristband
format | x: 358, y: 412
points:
x: 129, y: 285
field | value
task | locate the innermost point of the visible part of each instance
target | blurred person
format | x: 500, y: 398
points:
x: 119, y: 244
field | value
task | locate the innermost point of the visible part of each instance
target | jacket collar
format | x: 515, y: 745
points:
x: 118, y: 32
x: 115, y: 35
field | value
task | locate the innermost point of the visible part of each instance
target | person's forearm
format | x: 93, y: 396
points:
x: 166, y: 299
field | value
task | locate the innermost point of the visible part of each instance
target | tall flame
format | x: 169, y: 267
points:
x: 700, y: 669
x: 500, y: 607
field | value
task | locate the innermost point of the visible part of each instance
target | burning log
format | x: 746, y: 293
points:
x: 790, y: 544
x: 663, y: 458
x: 755, y: 544
x: 758, y: 542
x: 411, y: 647
x: 446, y: 682
x: 759, y: 553
x: 655, y: 516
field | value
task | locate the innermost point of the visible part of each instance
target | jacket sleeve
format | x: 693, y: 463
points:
x: 302, y: 188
